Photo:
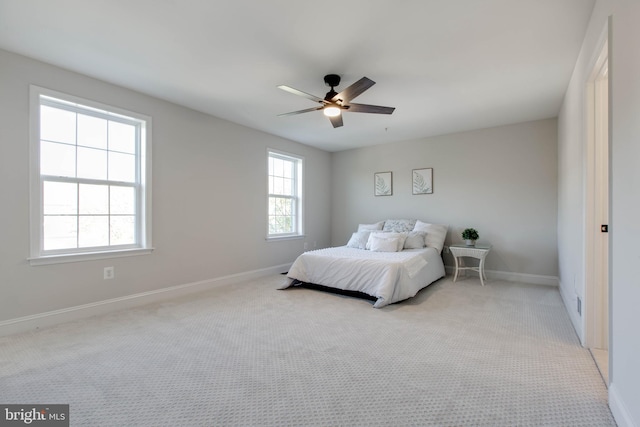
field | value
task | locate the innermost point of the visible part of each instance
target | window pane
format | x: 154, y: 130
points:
x: 94, y: 199
x: 57, y: 125
x: 57, y: 159
x: 278, y: 167
x: 285, y: 207
x: 278, y: 186
x: 281, y: 215
x: 123, y: 200
x: 92, y: 132
x: 287, y: 187
x: 273, y: 227
x: 92, y: 163
x: 60, y: 232
x: 279, y: 207
x: 123, y: 230
x: 122, y: 137
x: 272, y: 206
x: 122, y: 167
x: 288, y: 170
x: 60, y: 198
x: 94, y: 231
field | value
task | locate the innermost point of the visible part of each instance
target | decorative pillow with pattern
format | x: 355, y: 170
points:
x: 399, y: 225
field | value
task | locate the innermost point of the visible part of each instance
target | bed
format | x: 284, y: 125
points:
x: 390, y: 263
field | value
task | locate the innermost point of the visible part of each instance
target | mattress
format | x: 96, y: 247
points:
x: 387, y: 276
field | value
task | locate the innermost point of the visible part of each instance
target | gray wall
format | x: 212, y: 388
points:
x: 209, y: 199
x: 625, y: 200
x: 624, y: 69
x: 501, y: 181
x: 572, y: 168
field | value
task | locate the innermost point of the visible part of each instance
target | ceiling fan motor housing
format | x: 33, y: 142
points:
x: 332, y: 80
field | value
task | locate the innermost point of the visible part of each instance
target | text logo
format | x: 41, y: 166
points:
x: 34, y: 415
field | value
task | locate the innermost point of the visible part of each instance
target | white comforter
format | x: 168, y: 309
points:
x: 388, y: 276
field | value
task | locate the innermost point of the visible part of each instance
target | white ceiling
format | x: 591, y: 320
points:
x: 446, y: 65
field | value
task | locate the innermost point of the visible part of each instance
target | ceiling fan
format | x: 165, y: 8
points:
x: 333, y: 103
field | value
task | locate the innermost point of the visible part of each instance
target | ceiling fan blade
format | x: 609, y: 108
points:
x: 301, y: 93
x: 365, y: 108
x: 336, y: 121
x: 293, y: 113
x: 354, y: 90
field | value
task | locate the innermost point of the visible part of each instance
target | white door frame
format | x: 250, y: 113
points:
x: 597, y: 203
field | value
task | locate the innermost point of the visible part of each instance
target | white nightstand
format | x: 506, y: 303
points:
x: 478, y: 251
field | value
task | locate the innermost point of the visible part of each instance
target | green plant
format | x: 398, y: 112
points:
x: 470, y: 234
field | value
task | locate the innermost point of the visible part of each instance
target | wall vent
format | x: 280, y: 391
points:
x: 579, y: 306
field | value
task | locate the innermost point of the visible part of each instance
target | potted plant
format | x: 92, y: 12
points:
x: 470, y: 235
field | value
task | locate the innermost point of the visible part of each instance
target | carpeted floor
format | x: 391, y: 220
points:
x: 458, y: 354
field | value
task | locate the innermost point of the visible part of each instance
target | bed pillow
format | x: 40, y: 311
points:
x: 382, y: 242
x: 359, y: 240
x: 398, y: 239
x: 371, y: 227
x: 436, y: 233
x: 399, y: 225
x: 415, y: 240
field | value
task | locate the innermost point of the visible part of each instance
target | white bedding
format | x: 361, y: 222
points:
x: 387, y: 276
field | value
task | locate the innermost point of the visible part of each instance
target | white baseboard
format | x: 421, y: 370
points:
x: 576, y: 320
x: 50, y: 318
x: 619, y: 409
x: 534, y: 279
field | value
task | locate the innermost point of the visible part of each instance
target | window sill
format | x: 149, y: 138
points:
x: 89, y: 256
x: 279, y: 238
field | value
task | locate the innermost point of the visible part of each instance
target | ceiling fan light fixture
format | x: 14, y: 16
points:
x: 333, y: 103
x: 331, y: 111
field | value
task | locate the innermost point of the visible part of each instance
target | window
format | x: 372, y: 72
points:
x: 90, y: 174
x: 285, y: 195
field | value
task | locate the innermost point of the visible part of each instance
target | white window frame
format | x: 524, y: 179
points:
x: 143, y: 245
x: 299, y: 192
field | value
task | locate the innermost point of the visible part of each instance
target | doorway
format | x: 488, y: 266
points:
x: 597, y: 214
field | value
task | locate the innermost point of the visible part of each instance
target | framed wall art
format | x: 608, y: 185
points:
x: 383, y: 183
x: 422, y: 180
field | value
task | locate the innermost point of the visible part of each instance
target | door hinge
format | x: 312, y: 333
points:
x: 604, y: 228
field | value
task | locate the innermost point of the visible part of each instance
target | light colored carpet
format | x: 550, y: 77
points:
x: 248, y: 354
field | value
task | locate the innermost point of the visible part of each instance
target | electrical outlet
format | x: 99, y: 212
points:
x: 109, y: 273
x: 306, y: 246
x: 315, y: 244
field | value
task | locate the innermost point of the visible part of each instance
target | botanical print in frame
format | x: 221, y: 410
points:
x: 383, y: 183
x: 422, y: 181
